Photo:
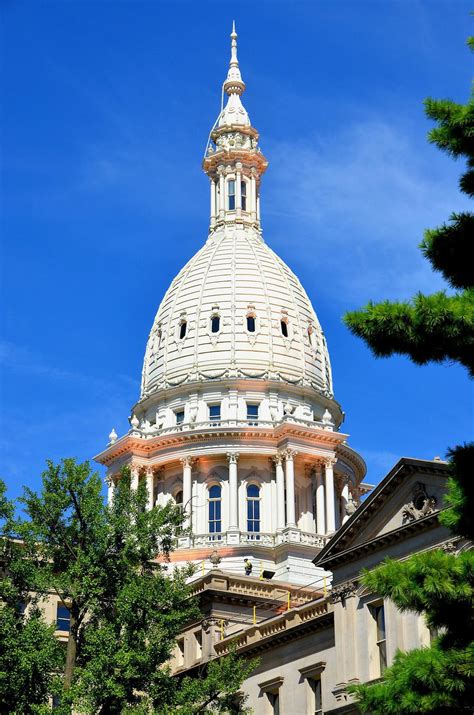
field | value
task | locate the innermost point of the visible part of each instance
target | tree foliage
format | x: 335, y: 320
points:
x: 30, y: 655
x: 108, y: 566
x: 439, y: 327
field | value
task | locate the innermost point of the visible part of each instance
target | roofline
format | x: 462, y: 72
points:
x: 400, y: 467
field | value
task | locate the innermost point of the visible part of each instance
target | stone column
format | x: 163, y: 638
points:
x: 150, y: 487
x: 253, y: 196
x: 109, y: 480
x: 344, y: 500
x: 232, y: 458
x: 238, y: 189
x: 221, y: 192
x: 320, y: 506
x: 330, y: 505
x: 280, y: 486
x: 290, y: 487
x: 213, y: 202
x: 135, y: 476
x: 187, y: 463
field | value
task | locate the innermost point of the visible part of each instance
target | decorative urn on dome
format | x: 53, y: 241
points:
x: 237, y: 419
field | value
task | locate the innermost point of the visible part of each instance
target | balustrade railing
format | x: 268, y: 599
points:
x: 152, y: 431
x: 256, y: 538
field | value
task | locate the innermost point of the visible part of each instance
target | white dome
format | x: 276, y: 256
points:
x: 235, y: 276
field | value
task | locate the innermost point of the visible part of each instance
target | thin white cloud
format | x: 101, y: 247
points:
x: 357, y: 202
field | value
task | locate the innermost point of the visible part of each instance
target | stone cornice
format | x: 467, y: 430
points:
x: 270, y: 634
x: 274, y: 438
x: 340, y: 543
x: 380, y: 542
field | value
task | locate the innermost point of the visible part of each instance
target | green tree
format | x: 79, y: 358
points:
x: 108, y: 566
x: 30, y: 655
x: 438, y: 327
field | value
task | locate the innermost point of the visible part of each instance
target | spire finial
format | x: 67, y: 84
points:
x: 234, y: 62
x: 233, y: 83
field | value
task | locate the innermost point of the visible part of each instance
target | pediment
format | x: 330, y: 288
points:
x: 411, y: 492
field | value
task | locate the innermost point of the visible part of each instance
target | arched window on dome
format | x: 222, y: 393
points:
x: 231, y: 195
x: 215, y: 511
x: 243, y: 195
x: 183, y: 327
x: 284, y: 327
x: 253, y: 510
x: 251, y: 319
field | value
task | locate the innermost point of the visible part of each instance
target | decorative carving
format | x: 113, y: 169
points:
x: 351, y: 506
x: 188, y: 461
x: 232, y: 457
x: 420, y: 505
x: 290, y: 454
x: 215, y: 559
x: 451, y: 547
x: 113, y: 436
x: 343, y: 591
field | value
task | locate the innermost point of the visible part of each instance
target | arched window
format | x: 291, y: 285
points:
x: 178, y: 497
x: 231, y: 195
x: 243, y: 191
x: 284, y: 327
x: 215, y: 323
x: 251, y: 323
x: 253, y: 509
x: 183, y: 326
x: 215, y: 519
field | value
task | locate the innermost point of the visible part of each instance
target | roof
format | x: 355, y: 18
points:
x: 347, y: 539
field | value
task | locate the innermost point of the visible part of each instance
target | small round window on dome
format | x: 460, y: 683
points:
x: 183, y: 326
x: 284, y: 327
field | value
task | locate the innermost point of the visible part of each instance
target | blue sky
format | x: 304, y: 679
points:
x: 108, y: 106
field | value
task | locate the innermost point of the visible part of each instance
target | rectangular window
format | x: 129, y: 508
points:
x: 378, y: 614
x: 214, y: 413
x: 215, y: 519
x: 180, y: 652
x: 179, y: 417
x: 63, y: 618
x: 198, y: 642
x: 243, y: 190
x: 252, y: 414
x: 231, y: 195
x: 316, y: 698
x: 253, y: 516
x: 274, y: 700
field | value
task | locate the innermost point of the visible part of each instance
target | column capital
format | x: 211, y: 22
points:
x: 188, y: 461
x: 134, y: 466
x: 290, y: 454
x: 232, y: 457
x: 329, y: 462
x: 278, y: 458
x: 109, y: 480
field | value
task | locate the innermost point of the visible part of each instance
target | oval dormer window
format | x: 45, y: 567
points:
x: 284, y: 328
x: 183, y: 326
x: 215, y: 324
x: 251, y: 323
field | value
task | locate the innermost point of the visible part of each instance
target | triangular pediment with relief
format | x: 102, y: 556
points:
x: 411, y: 492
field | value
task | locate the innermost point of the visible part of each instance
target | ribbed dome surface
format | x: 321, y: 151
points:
x: 236, y: 276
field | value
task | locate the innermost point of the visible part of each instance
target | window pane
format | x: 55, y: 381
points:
x: 215, y: 324
x: 252, y: 412
x: 253, y: 490
x: 380, y: 617
x: 284, y: 328
x: 182, y: 329
x: 231, y: 187
x: 231, y: 203
x: 179, y: 417
x: 251, y: 323
x: 214, y: 412
x: 215, y: 492
x: 63, y: 618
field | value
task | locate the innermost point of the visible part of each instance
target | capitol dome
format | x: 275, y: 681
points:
x: 236, y: 310
x: 236, y: 419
